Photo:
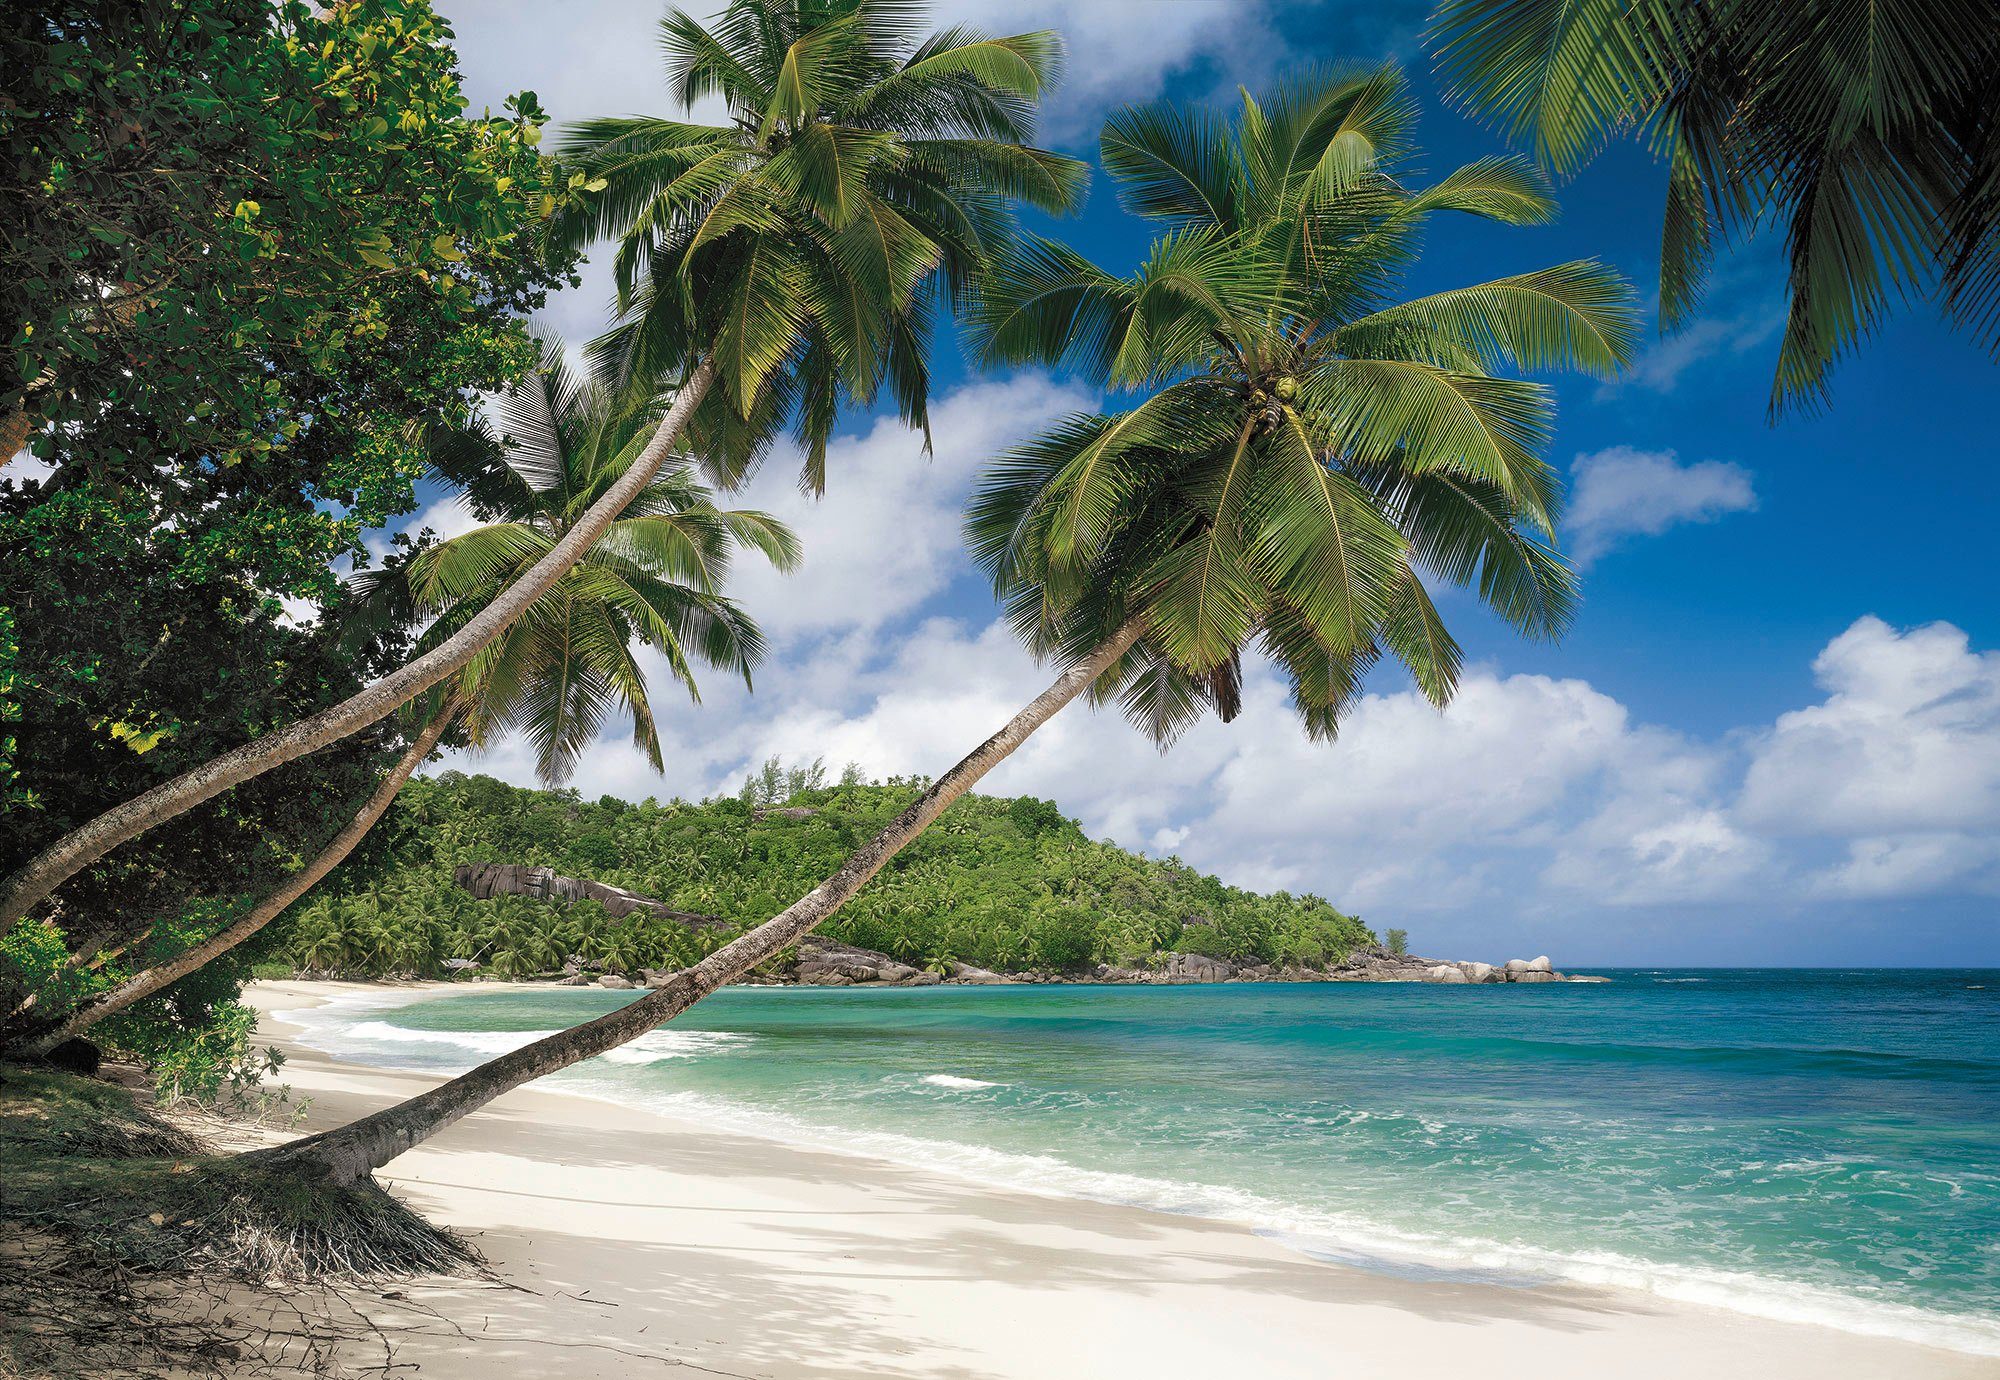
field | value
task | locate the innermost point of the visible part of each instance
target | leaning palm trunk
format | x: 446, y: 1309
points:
x: 357, y: 1149
x: 144, y: 984
x: 80, y: 847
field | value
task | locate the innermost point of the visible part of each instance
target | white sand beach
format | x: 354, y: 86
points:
x: 631, y: 1245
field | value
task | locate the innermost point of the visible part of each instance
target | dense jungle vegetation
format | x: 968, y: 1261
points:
x: 999, y: 883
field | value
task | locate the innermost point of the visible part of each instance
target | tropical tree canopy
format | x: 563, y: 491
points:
x: 1309, y: 447
x: 1867, y: 130
x: 653, y: 579
x: 861, y: 179
x: 789, y: 265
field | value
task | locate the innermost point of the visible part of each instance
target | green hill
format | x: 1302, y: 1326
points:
x: 997, y: 883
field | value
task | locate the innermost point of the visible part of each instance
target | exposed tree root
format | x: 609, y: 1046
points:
x: 127, y: 1248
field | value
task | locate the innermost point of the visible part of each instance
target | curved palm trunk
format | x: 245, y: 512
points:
x: 79, y: 848
x: 144, y: 984
x: 357, y: 1149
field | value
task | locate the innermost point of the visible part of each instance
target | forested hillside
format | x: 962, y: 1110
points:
x: 1005, y: 884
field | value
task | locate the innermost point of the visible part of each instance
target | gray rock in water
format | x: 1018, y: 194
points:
x: 1480, y: 972
x: 1585, y: 977
x: 965, y: 972
x: 1536, y: 975
x: 617, y: 981
x: 1446, y: 973
x: 1541, y: 965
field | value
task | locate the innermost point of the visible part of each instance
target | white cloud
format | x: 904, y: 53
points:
x: 1913, y: 865
x: 885, y: 538
x: 1659, y: 367
x: 1535, y: 812
x: 1623, y: 491
x: 445, y: 517
x: 1535, y: 809
x: 1906, y: 741
x: 1899, y: 765
x: 1122, y: 51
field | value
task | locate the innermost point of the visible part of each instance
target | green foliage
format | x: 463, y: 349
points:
x: 250, y: 242
x: 111, y: 638
x: 253, y: 247
x: 1034, y: 817
x: 1398, y: 941
x: 804, y: 246
x: 1866, y: 131
x: 1309, y: 449
x: 977, y: 887
x: 653, y: 577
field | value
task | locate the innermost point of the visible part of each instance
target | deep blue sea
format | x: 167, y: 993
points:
x: 1820, y: 1145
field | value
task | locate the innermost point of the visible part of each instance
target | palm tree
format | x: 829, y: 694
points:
x: 771, y: 268
x: 1310, y: 446
x: 652, y: 578
x: 1318, y: 443
x: 1869, y: 130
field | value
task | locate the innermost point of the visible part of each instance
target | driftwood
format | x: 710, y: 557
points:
x: 487, y: 880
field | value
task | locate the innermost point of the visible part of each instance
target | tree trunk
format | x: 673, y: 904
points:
x: 15, y: 429
x: 353, y: 1151
x: 144, y: 984
x: 76, y: 850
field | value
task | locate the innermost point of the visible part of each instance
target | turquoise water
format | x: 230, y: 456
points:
x: 1803, y: 1144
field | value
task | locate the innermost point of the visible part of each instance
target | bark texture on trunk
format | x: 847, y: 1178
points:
x: 15, y: 429
x: 142, y: 985
x: 83, y: 846
x: 353, y: 1151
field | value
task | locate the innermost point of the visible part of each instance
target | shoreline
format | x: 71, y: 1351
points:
x: 914, y: 1272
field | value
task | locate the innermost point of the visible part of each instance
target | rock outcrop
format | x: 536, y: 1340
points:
x: 966, y: 973
x: 825, y: 963
x: 1196, y: 968
x: 487, y: 880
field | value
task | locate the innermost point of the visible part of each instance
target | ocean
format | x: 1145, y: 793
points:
x: 1817, y: 1145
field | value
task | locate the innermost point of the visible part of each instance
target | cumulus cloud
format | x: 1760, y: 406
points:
x: 1899, y: 764
x: 885, y: 538
x: 1534, y: 806
x: 1622, y: 492
x: 1123, y: 51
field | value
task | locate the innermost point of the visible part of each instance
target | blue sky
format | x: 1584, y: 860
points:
x: 1773, y: 735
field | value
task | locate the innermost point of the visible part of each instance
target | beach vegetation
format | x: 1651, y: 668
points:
x: 984, y: 888
x: 250, y: 246
x: 652, y: 580
x: 1308, y: 448
x: 771, y: 269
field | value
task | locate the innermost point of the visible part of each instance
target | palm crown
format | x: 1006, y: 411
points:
x: 1867, y: 131
x: 862, y: 178
x: 1309, y: 447
x: 653, y: 578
